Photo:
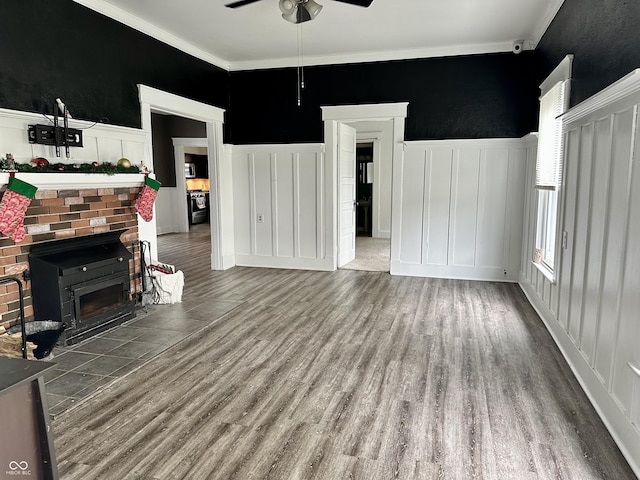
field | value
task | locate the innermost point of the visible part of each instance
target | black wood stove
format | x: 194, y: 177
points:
x: 82, y: 282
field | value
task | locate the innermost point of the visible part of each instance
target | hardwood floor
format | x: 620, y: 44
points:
x: 342, y: 375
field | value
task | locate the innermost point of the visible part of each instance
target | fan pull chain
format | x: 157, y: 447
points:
x: 301, y: 58
x: 300, y: 69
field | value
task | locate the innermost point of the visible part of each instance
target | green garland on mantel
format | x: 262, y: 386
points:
x: 95, y: 167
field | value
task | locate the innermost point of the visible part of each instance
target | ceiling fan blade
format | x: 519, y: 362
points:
x: 360, y: 3
x: 240, y: 3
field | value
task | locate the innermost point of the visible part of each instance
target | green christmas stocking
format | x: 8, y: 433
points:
x: 144, y: 203
x: 13, y: 207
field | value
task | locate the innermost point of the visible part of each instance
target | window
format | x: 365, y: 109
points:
x: 553, y: 103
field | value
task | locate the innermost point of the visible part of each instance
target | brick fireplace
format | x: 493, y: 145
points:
x: 62, y: 213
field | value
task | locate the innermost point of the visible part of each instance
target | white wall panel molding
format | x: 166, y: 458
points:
x: 592, y: 310
x: 102, y: 142
x: 470, y: 143
x: 279, y: 214
x: 13, y: 118
x: 460, y: 206
x: 622, y: 90
x: 278, y: 148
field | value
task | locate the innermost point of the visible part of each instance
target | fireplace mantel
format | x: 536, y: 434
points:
x: 63, y: 180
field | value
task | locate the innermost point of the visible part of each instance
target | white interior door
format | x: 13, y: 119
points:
x: 347, y: 193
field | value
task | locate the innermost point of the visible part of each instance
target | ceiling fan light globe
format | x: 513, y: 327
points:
x: 291, y: 17
x: 312, y: 8
x: 287, y: 7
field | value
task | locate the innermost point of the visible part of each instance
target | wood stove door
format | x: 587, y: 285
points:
x: 97, y: 302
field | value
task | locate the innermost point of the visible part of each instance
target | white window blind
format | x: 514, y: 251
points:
x: 549, y: 160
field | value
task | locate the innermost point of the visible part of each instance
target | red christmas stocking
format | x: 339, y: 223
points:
x: 13, y: 207
x: 144, y: 203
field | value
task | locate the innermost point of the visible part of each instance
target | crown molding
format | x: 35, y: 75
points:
x: 380, y: 56
x: 147, y: 28
x: 545, y: 21
x: 162, y: 35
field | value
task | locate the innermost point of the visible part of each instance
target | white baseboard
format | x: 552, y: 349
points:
x: 382, y: 234
x: 492, y: 274
x: 164, y: 229
x: 325, y: 265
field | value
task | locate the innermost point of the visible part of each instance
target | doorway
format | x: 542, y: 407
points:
x: 365, y: 118
x: 192, y: 157
x: 157, y: 101
x: 372, y: 250
x: 364, y: 190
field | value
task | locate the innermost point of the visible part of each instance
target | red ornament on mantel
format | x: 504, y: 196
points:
x: 40, y: 161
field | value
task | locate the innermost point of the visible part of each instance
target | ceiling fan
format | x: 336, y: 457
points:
x: 299, y: 11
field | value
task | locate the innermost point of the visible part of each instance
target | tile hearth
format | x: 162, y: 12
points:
x: 86, y: 367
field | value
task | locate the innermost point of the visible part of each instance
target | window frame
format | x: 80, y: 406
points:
x: 546, y: 250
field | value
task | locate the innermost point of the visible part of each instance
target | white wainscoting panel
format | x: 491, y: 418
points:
x: 460, y: 204
x: 592, y: 308
x: 278, y: 206
x: 102, y: 142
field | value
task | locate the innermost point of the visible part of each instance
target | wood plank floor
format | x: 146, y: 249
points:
x: 343, y: 375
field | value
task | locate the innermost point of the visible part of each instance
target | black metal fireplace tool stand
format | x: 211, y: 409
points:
x: 23, y: 346
x: 44, y: 334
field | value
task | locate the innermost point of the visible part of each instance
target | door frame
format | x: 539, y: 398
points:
x: 154, y: 100
x: 332, y: 116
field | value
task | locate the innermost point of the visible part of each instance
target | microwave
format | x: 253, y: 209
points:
x: 190, y: 170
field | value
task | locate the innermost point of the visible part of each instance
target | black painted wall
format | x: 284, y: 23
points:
x: 477, y: 96
x: 603, y: 35
x: 59, y: 48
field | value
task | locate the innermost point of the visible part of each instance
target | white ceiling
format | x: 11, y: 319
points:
x: 256, y: 36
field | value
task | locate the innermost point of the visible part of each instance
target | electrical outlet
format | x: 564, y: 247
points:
x: 260, y: 218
